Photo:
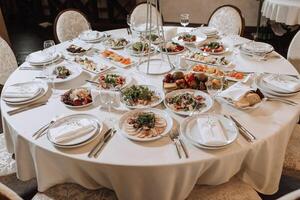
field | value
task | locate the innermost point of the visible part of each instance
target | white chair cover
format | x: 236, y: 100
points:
x: 7, y: 193
x: 74, y: 191
x: 233, y: 190
x: 227, y: 20
x: 70, y: 24
x: 139, y: 16
x: 8, y: 62
x: 295, y: 195
x: 7, y: 163
x: 294, y: 52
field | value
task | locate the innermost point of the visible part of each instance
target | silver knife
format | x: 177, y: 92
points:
x: 27, y: 107
x: 105, y: 140
x: 93, y: 151
x: 245, y: 131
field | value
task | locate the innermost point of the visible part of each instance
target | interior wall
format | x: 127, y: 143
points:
x: 200, y: 10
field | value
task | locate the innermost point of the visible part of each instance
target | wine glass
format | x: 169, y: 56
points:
x: 108, y: 98
x: 49, y: 48
x: 128, y: 20
x: 184, y: 19
x: 214, y: 85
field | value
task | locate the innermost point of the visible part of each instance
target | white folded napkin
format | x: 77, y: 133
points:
x: 283, y: 82
x: 82, y: 44
x: 211, y: 133
x: 21, y: 91
x: 236, y: 91
x: 71, y: 131
x: 170, y: 33
x: 40, y: 57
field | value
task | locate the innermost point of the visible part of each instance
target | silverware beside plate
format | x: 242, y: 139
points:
x: 244, y: 132
x: 26, y: 107
x: 97, y: 146
x: 105, y: 141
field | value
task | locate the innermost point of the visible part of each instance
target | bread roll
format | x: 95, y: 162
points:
x: 253, y: 98
x: 243, y: 102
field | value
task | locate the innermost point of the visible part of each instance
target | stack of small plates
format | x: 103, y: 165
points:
x: 41, y: 58
x: 91, y: 36
x: 190, y: 130
x: 207, y: 30
x: 259, y: 49
x: 29, y: 92
x: 271, y: 90
x: 74, y: 140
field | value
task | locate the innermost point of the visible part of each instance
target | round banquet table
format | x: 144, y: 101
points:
x: 152, y: 170
x: 282, y: 11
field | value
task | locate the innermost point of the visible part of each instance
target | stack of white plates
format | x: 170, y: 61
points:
x: 23, y: 93
x: 91, y: 36
x: 271, y: 90
x: 252, y: 48
x: 76, y: 137
x: 207, y: 30
x: 41, y: 58
x: 189, y: 128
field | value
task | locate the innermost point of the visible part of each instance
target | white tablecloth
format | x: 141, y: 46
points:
x: 152, y: 170
x: 282, y: 11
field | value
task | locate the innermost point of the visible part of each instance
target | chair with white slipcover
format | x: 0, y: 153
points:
x: 293, y: 53
x: 138, y: 16
x: 7, y: 194
x: 295, y: 195
x: 228, y: 20
x: 8, y: 62
x: 69, y: 24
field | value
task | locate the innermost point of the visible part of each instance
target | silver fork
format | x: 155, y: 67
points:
x: 184, y: 148
x: 172, y: 137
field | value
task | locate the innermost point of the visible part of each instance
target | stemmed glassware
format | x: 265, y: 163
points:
x: 214, y: 85
x: 50, y: 50
x: 184, y: 19
x: 108, y: 99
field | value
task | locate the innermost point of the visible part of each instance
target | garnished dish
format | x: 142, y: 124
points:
x: 111, y: 81
x: 188, y: 101
x: 79, y: 97
x: 235, y: 75
x: 213, y: 47
x: 87, y: 64
x: 186, y: 37
x: 208, y: 70
x: 172, y: 48
x: 145, y: 125
x: 207, y: 59
x: 155, y: 39
x: 179, y: 80
x: 61, y: 72
x: 140, y: 96
x: 116, y: 58
x: 116, y: 43
x: 140, y: 48
x: 74, y: 49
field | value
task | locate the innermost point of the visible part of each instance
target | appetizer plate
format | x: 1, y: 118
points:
x: 128, y: 80
x: 205, y: 58
x: 33, y: 59
x: 171, y: 52
x: 75, y: 71
x: 190, y: 130
x: 270, y: 89
x: 225, y: 50
x: 90, y: 65
x: 108, y: 43
x: 158, y: 112
x: 115, y: 62
x: 86, y: 47
x: 157, y: 92
x: 200, y: 37
x: 79, y: 141
x: 208, y: 100
x: 130, y: 51
x: 156, y: 67
x: 80, y: 106
x: 43, y: 90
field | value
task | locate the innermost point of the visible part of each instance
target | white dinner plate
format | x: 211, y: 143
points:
x: 200, y: 37
x: 208, y: 101
x: 74, y: 69
x: 110, y: 46
x: 271, y: 90
x: 82, y: 140
x: 156, y: 66
x: 258, y: 48
x: 32, y: 61
x: 190, y: 130
x: 157, y: 92
x: 128, y: 80
x: 91, y: 36
x: 159, y: 112
x: 43, y: 90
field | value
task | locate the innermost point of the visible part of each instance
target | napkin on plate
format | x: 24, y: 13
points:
x: 236, y: 91
x: 68, y: 132
x: 211, y: 133
x: 285, y: 83
x: 40, y: 57
x: 21, y: 91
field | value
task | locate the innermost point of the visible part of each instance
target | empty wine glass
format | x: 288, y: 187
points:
x: 50, y: 75
x: 128, y: 20
x: 184, y: 19
x: 214, y: 85
x: 49, y: 48
x: 108, y: 99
